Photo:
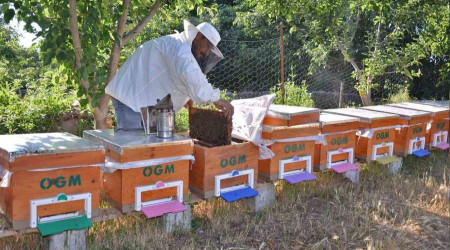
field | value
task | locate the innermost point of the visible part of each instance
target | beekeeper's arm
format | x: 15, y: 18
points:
x: 199, y: 90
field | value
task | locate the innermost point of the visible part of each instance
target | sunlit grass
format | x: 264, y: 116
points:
x: 407, y: 210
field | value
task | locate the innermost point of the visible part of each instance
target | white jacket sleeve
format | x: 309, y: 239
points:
x: 189, y: 73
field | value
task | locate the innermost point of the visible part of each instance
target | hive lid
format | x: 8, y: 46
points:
x: 365, y: 116
x: 329, y: 118
x: 421, y: 107
x: 285, y: 112
x: 434, y: 103
x: 20, y: 145
x: 118, y: 141
x: 404, y: 113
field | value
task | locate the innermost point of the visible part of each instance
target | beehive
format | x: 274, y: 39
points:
x: 282, y: 115
x: 376, y: 134
x: 411, y: 136
x: 43, y: 166
x: 213, y: 162
x: 340, y: 134
x: 437, y: 135
x: 136, y: 161
x: 283, y: 127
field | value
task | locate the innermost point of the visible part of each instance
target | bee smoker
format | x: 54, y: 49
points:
x: 159, y: 119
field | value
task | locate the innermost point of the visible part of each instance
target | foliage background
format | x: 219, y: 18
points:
x: 37, y: 90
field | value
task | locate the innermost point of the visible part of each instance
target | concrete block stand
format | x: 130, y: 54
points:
x: 177, y: 221
x: 265, y: 197
x: 73, y: 239
x: 395, y: 167
x: 352, y: 175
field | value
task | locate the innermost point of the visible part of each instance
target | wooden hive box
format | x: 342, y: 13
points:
x: 142, y: 160
x: 375, y: 137
x: 214, y: 161
x: 302, y: 147
x: 340, y: 133
x: 438, y: 132
x: 283, y: 115
x: 411, y: 136
x: 44, y: 166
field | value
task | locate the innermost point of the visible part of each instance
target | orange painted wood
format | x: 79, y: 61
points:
x: 384, y: 122
x: 404, y: 135
x: 210, y: 162
x: 364, y: 145
x: 284, y: 132
x: 295, y: 119
x: 120, y: 186
x: 285, y: 150
x: 300, y: 165
x: 152, y: 152
x: 340, y: 127
x: 335, y: 142
x: 30, y: 162
x: 377, y: 139
x: 439, y: 123
x: 420, y: 119
x: 26, y: 186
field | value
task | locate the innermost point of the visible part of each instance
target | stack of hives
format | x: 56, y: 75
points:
x: 437, y: 131
x: 412, y: 130
x: 143, y: 172
x: 338, y: 148
x: 50, y: 181
x: 375, y: 134
x: 222, y: 167
x: 290, y: 133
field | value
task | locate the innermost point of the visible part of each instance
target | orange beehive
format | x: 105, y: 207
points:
x: 340, y: 133
x: 215, y: 161
x: 135, y: 159
x: 438, y: 132
x: 283, y: 115
x: 43, y: 166
x: 296, y: 141
x: 375, y: 137
x: 411, y: 136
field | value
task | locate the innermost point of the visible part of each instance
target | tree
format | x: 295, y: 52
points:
x: 88, y: 37
x: 375, y: 37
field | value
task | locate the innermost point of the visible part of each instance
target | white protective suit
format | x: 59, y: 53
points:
x: 163, y: 66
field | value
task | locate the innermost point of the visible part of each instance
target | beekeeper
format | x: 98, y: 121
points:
x: 175, y: 64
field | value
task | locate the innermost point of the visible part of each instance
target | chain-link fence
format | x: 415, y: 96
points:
x: 252, y: 68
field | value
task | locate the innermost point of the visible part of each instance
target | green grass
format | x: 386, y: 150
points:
x: 383, y: 211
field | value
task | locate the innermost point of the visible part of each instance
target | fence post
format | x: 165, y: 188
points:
x: 283, y: 91
x: 341, y: 95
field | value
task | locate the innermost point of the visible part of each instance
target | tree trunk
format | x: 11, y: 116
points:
x: 101, y: 112
x: 366, y: 97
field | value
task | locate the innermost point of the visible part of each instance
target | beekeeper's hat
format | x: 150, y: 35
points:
x: 208, y: 31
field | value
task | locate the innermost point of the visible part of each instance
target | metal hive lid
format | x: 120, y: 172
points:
x: 43, y: 144
x: 402, y: 112
x: 420, y: 107
x: 366, y: 116
x: 330, y: 118
x: 118, y: 141
x: 285, y: 112
x: 435, y: 103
